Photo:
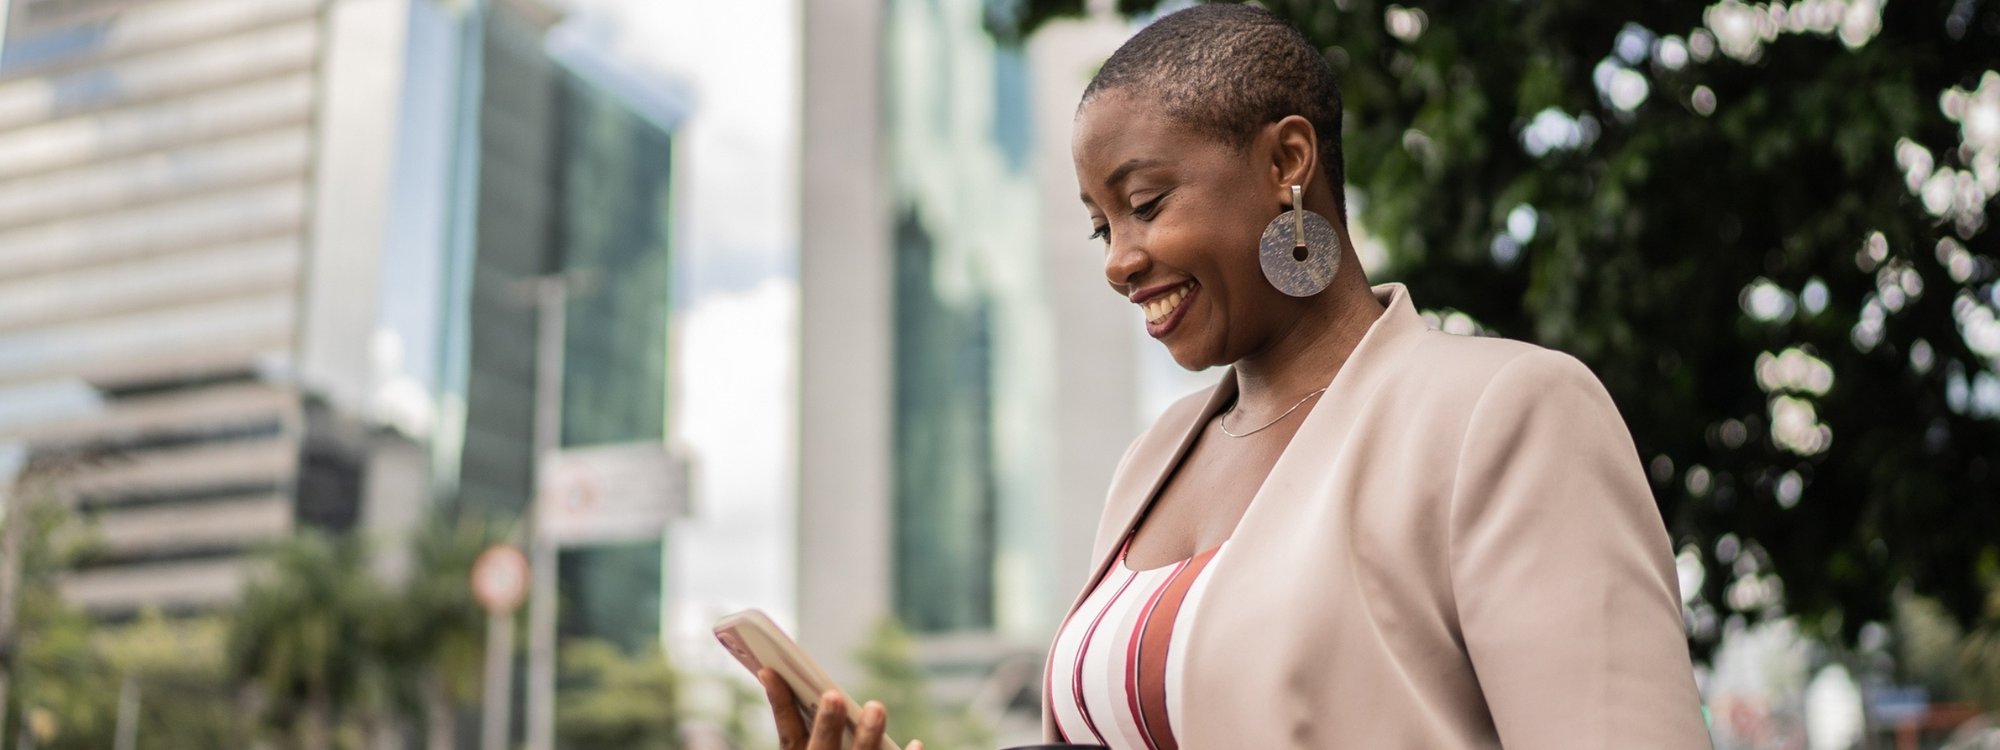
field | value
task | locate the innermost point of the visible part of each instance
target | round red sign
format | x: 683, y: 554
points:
x: 500, y: 578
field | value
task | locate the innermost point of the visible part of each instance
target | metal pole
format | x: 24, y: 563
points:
x: 494, y: 715
x: 6, y: 12
x: 128, y: 715
x: 542, y: 559
x: 13, y: 536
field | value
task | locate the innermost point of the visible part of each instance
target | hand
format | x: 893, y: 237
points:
x: 829, y: 725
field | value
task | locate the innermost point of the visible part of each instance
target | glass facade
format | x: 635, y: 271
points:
x: 169, y: 171
x: 571, y: 179
x: 971, y: 350
x: 613, y: 175
x: 513, y: 226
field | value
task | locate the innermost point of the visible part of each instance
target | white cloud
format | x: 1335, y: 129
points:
x: 736, y: 367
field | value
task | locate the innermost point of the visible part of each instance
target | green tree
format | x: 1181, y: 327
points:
x: 58, y: 681
x: 611, y: 701
x: 1979, y: 657
x: 73, y: 670
x: 1762, y: 226
x: 897, y: 679
x: 432, y: 640
x: 179, y: 668
x: 300, y: 637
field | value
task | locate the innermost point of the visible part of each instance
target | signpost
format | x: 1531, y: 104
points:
x: 499, y: 583
x: 610, y: 493
x: 592, y: 495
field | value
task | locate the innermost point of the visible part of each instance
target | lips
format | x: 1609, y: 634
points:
x: 1164, y: 308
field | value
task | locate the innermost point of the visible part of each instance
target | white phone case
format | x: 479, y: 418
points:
x: 757, y: 643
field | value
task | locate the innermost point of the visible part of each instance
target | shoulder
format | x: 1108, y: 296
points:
x: 1460, y: 392
x: 1469, y: 370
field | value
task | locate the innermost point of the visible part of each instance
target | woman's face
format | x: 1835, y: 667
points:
x: 1180, y: 215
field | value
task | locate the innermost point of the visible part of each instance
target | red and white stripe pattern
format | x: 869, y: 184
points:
x: 1114, y: 676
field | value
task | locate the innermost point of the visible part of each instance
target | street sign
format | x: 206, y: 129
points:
x: 500, y: 578
x: 611, y: 493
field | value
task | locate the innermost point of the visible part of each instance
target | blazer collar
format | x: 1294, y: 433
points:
x: 1161, y: 448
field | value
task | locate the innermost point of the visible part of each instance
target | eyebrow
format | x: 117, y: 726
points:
x: 1123, y: 171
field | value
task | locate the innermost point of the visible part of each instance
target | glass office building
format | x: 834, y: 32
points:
x: 257, y: 243
x: 613, y: 177
x: 574, y: 175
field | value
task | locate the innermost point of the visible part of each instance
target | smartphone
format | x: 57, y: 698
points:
x: 757, y: 643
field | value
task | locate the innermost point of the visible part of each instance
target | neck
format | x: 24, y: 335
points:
x: 1307, y: 355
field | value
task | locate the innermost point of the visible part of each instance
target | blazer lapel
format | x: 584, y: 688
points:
x: 1153, y: 459
x: 1160, y: 450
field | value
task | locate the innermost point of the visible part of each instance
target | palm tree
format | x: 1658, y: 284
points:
x: 434, y: 636
x: 299, y: 639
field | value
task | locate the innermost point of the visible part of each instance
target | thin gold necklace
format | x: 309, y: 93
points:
x: 1224, y: 421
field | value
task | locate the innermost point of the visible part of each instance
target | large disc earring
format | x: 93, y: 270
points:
x: 1299, y: 251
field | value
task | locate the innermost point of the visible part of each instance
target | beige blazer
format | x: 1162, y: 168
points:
x: 1457, y: 550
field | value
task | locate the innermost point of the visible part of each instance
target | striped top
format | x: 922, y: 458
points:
x: 1114, y: 676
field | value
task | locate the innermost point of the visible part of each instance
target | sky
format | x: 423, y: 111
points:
x: 736, y: 291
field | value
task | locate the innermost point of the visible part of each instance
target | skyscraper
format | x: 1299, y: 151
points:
x: 275, y: 247
x: 172, y: 228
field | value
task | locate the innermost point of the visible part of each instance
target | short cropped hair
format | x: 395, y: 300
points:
x: 1226, y: 71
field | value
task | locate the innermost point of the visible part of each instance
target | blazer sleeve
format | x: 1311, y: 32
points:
x: 1562, y: 571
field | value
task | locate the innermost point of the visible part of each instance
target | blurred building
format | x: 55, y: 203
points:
x: 968, y: 381
x: 573, y: 174
x: 160, y: 188
x: 277, y: 252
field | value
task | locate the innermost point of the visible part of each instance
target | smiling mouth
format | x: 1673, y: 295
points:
x: 1158, y: 308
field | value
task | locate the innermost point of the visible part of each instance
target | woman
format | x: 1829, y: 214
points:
x: 1368, y: 534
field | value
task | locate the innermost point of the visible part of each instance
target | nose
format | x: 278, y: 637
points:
x: 1124, y: 263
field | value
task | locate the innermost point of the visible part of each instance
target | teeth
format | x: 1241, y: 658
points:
x: 1158, y: 308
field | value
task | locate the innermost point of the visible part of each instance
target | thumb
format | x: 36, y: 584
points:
x: 916, y: 745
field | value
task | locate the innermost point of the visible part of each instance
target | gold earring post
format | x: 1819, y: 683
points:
x: 1299, y: 215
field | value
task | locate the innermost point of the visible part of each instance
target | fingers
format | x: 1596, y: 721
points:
x: 916, y: 745
x: 869, y: 735
x: 828, y: 725
x: 831, y: 722
x: 784, y: 708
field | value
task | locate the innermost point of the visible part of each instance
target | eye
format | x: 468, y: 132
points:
x: 1101, y: 233
x: 1147, y: 210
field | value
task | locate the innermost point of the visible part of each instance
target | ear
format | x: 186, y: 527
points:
x: 1294, y: 156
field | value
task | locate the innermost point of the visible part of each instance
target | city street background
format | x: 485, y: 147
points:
x: 704, y: 305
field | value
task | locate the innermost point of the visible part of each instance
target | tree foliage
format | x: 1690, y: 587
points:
x: 301, y: 636
x: 56, y: 678
x: 432, y: 644
x: 1762, y: 226
x: 336, y: 652
x: 72, y: 671
x: 611, y: 701
x: 179, y: 671
x: 897, y: 679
